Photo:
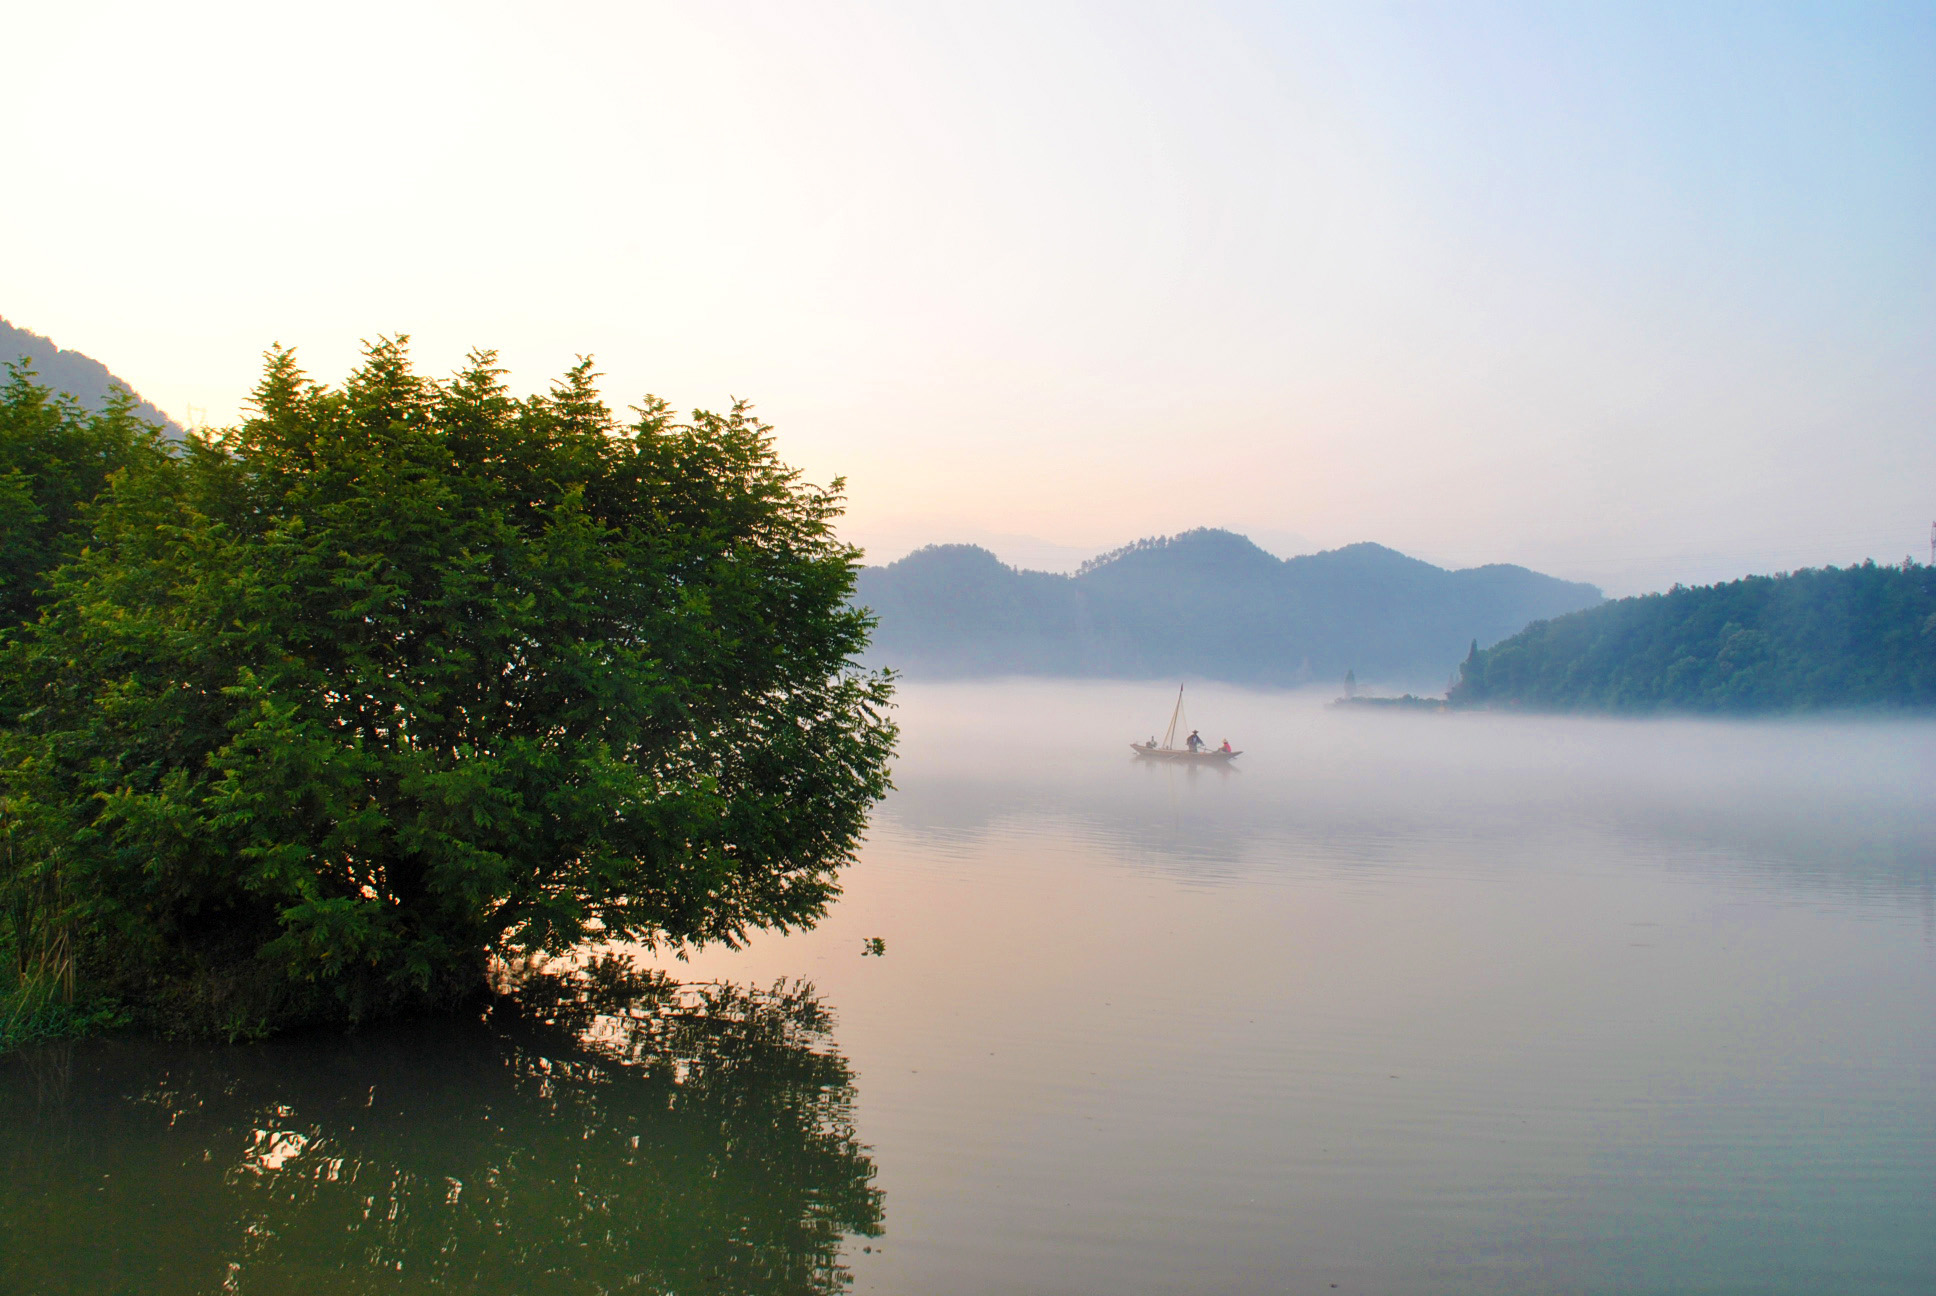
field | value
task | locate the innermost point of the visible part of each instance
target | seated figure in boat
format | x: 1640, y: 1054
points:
x: 1193, y: 742
x: 1151, y: 744
x: 1226, y: 746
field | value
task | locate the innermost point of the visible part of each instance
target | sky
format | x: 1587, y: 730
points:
x: 1628, y: 293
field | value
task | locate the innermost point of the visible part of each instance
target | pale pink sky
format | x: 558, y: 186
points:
x: 1628, y: 294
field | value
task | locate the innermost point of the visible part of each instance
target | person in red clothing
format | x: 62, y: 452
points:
x: 1226, y: 746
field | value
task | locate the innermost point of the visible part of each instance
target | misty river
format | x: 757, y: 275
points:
x: 1404, y: 1003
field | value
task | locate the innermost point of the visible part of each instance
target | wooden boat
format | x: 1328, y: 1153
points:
x: 1169, y: 751
x: 1183, y: 755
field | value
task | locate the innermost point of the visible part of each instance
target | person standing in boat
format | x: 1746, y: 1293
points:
x: 1193, y: 742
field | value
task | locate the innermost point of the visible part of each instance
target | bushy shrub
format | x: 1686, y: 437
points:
x: 391, y: 677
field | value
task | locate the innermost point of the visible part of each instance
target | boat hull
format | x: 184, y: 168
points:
x: 1183, y: 756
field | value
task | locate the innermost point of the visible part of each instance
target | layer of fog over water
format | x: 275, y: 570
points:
x: 1404, y: 1003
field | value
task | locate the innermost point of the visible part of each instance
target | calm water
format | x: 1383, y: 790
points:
x: 1405, y: 1004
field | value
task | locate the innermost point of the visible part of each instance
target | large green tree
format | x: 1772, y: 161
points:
x: 394, y: 676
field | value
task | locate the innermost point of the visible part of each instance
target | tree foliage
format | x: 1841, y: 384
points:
x: 394, y: 675
x: 1861, y: 636
x: 55, y: 456
x: 81, y: 377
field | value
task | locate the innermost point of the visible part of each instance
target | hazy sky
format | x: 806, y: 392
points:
x: 1628, y: 293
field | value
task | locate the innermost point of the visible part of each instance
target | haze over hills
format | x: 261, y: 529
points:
x: 83, y: 377
x: 1207, y: 603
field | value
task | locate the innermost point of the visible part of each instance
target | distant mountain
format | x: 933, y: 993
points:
x: 1206, y: 603
x: 1854, y: 637
x: 86, y: 379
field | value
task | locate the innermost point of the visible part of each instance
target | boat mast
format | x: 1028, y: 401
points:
x: 1169, y: 735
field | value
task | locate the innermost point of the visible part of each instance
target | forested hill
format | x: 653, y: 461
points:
x: 1207, y: 603
x: 1854, y: 637
x: 84, y: 378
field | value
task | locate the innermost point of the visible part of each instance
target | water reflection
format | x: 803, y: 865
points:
x: 611, y: 1131
x: 1833, y: 805
x: 1406, y: 1004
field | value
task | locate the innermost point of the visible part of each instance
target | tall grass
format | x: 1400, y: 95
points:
x: 37, y: 951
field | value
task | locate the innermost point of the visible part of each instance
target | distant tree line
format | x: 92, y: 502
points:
x: 1862, y: 636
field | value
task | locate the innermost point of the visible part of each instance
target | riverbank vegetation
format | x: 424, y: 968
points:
x: 1855, y: 637
x: 309, y: 719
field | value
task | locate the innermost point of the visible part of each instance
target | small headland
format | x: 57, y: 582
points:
x: 1407, y: 702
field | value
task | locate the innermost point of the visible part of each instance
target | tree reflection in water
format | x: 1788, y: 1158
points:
x: 610, y: 1131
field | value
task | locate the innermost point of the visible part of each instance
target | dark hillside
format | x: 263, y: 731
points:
x: 1207, y: 603
x: 970, y: 615
x: 1853, y: 637
x: 82, y: 377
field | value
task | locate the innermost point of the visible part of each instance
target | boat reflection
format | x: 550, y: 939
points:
x: 1833, y: 805
x: 605, y: 1131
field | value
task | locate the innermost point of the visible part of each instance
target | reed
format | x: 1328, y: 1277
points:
x: 37, y: 945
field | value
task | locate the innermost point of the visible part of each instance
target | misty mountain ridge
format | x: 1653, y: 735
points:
x: 82, y: 377
x: 1206, y: 603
